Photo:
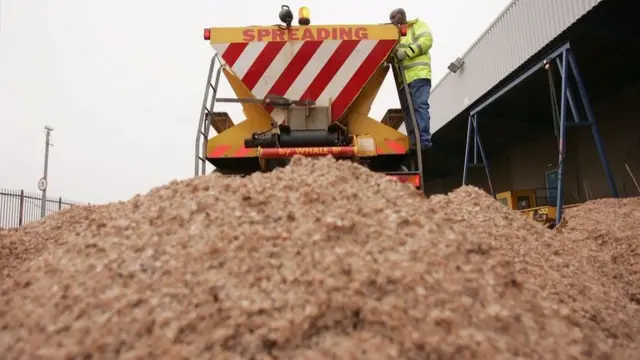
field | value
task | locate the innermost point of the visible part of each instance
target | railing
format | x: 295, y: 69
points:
x: 207, y: 115
x: 18, y: 207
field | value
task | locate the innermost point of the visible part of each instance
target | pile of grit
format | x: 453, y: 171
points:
x: 320, y: 260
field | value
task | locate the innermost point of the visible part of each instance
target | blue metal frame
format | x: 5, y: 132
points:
x: 566, y: 60
x: 477, y: 146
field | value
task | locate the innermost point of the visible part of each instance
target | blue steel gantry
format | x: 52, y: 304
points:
x: 567, y: 64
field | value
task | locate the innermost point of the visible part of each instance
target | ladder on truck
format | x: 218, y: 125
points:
x: 206, y: 115
x: 417, y: 166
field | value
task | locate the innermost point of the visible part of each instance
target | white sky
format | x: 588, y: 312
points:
x: 122, y: 81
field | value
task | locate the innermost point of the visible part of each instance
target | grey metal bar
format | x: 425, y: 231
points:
x: 207, y: 121
x: 416, y: 129
x: 21, y: 209
x: 203, y: 114
x: 241, y: 100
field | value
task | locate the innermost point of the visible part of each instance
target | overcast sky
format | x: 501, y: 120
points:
x: 122, y: 81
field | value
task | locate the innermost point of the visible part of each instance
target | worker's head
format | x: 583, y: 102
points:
x: 398, y: 16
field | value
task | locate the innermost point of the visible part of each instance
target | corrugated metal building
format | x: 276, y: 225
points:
x: 519, y: 32
x: 517, y: 128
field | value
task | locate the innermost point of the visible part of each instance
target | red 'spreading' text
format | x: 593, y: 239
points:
x: 305, y: 34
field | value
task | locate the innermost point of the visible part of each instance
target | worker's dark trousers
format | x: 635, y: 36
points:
x: 420, y: 90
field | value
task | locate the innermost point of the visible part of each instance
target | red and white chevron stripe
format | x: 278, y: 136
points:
x: 307, y: 70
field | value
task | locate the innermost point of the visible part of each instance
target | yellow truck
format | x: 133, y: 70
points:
x: 305, y: 90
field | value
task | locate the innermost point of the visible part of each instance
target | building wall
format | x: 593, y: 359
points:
x: 524, y: 28
x: 619, y: 124
x: 524, y: 167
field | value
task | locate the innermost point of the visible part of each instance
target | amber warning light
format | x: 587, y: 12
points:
x: 207, y: 34
x: 304, y: 18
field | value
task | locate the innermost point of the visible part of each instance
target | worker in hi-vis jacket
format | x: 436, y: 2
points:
x: 415, y: 61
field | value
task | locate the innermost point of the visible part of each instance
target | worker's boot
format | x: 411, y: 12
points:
x: 409, y: 159
x: 412, y: 158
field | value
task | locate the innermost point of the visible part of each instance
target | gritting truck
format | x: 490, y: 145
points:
x: 305, y: 90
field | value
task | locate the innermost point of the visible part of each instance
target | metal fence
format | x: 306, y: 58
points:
x: 18, y: 207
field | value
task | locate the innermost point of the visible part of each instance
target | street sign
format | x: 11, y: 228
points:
x: 42, y: 184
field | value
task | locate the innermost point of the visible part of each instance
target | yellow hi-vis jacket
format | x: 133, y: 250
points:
x: 416, y: 44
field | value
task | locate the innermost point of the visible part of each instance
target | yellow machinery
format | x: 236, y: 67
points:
x: 518, y: 200
x: 524, y: 201
x: 305, y: 90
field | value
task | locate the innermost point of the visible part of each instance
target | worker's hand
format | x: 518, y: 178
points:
x: 401, y: 54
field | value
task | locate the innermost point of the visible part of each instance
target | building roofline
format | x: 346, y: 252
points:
x: 478, y: 39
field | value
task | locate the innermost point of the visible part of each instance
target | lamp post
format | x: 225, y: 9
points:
x: 42, y: 184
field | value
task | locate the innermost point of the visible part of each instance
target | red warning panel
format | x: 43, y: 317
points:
x: 320, y: 63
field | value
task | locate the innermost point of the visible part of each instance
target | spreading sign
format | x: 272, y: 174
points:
x: 305, y: 34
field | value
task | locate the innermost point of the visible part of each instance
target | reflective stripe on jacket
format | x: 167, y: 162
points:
x: 416, y: 44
